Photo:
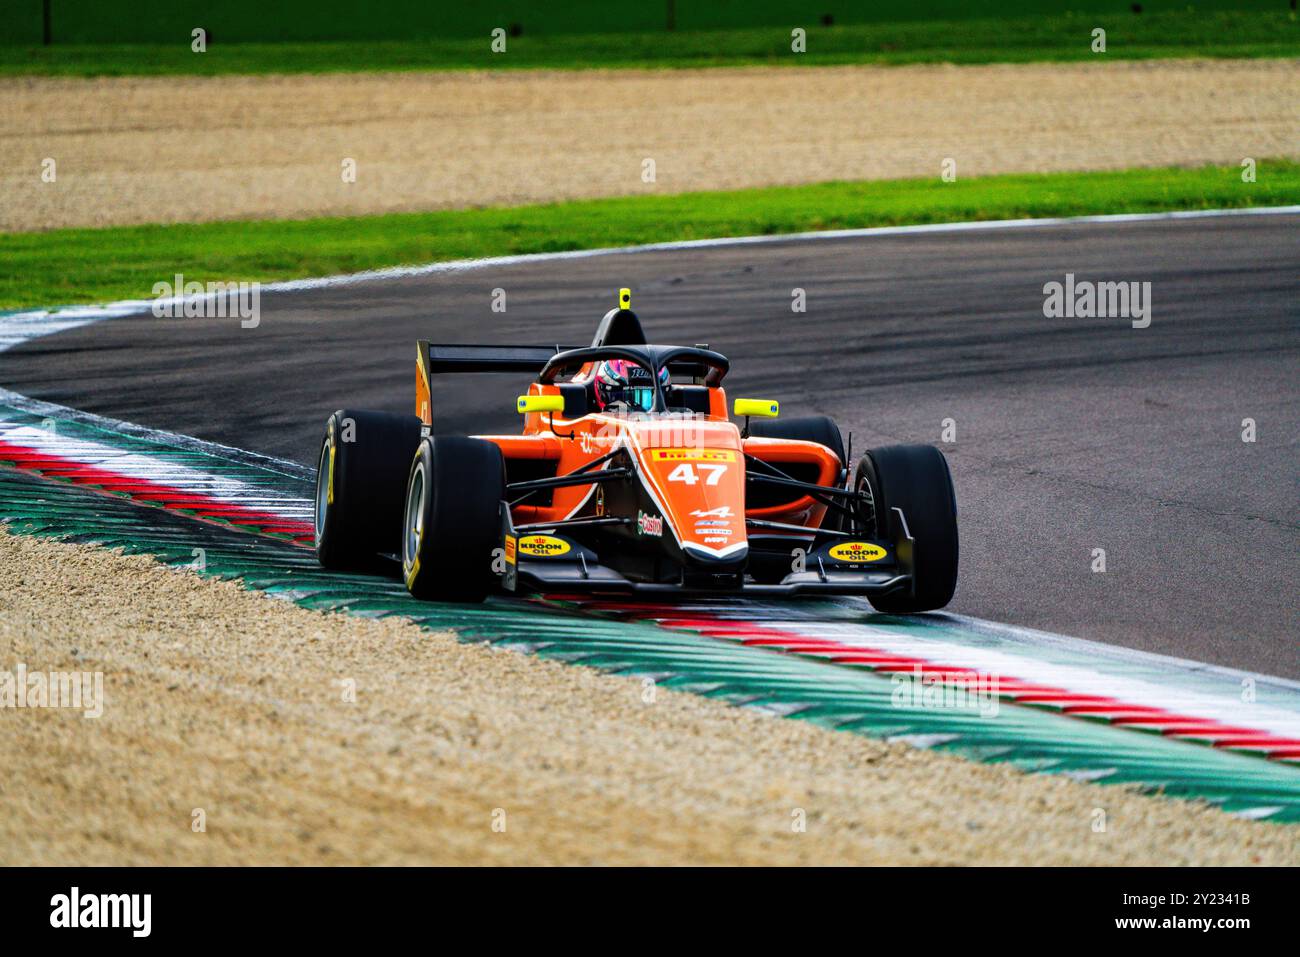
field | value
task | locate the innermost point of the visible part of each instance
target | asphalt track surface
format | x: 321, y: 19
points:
x: 1071, y: 434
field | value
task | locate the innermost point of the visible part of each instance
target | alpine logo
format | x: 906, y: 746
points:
x: 722, y: 511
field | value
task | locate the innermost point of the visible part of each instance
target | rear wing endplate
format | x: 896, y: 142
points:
x: 433, y: 359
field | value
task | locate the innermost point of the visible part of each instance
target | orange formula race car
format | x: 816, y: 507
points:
x: 630, y: 477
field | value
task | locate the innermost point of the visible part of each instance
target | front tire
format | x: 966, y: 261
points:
x: 915, y: 479
x: 452, y: 519
x: 360, y: 485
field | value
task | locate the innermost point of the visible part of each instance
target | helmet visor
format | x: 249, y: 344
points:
x: 640, y: 399
x: 626, y: 386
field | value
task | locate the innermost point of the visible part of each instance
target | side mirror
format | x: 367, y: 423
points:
x: 540, y: 403
x: 760, y: 408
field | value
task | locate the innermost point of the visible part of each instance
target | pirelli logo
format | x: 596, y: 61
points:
x: 510, y: 549
x: 692, y: 455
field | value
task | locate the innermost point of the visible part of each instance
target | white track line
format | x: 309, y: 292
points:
x: 188, y: 443
x: 1224, y: 705
x: 19, y: 326
x: 155, y: 469
x: 1082, y: 646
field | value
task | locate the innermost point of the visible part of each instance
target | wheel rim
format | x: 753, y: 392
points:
x: 866, y: 508
x: 414, y: 528
x: 322, y: 489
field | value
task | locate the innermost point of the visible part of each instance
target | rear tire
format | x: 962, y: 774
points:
x: 360, y: 487
x: 805, y: 428
x: 914, y: 478
x: 452, y: 519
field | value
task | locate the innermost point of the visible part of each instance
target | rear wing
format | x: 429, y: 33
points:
x: 434, y: 359
x: 619, y: 327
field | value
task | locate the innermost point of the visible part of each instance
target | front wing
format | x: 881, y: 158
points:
x: 562, y: 564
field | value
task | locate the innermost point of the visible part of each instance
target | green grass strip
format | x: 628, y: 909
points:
x: 1066, y: 37
x: 97, y: 265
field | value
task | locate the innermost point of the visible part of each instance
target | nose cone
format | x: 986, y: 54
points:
x: 723, y: 559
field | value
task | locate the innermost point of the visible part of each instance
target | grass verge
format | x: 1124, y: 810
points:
x: 96, y: 265
x: 1185, y: 33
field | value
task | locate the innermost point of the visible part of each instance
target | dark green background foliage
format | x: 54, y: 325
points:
x: 242, y: 21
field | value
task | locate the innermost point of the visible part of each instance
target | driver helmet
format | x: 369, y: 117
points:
x: 624, y: 386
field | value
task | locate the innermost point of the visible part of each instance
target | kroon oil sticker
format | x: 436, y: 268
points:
x: 542, y: 546
x: 857, y: 552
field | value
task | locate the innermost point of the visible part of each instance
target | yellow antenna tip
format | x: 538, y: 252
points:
x: 625, y: 298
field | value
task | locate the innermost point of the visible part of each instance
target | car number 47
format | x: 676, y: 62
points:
x: 686, y: 472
